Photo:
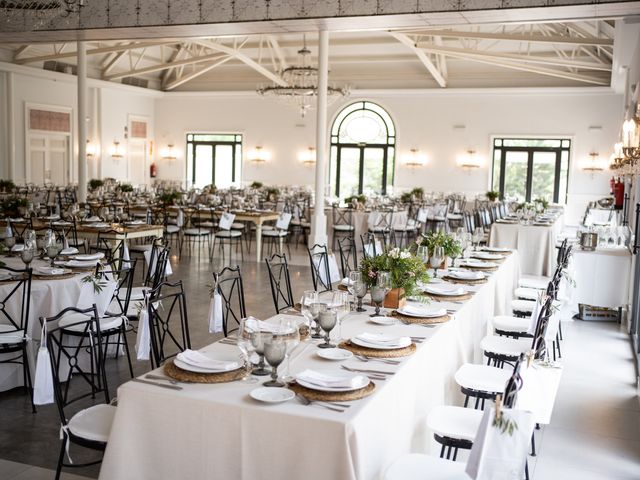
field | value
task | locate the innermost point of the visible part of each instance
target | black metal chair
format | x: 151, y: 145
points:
x: 348, y: 255
x: 280, y: 281
x: 168, y: 322
x: 342, y: 224
x: 14, y: 326
x: 371, y: 245
x: 86, y: 427
x: 228, y: 283
x: 320, y: 273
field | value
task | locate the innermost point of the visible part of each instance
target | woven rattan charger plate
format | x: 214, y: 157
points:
x: 449, y: 298
x: 67, y: 274
x: 311, y: 394
x: 464, y: 282
x: 423, y: 320
x: 483, y: 269
x: 374, y: 352
x: 170, y: 370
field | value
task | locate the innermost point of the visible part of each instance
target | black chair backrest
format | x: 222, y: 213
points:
x: 168, y: 322
x: 538, y: 345
x: 123, y: 276
x: 370, y: 243
x: 19, y: 228
x: 71, y: 380
x: 342, y: 216
x: 280, y: 281
x: 514, y: 384
x: 348, y: 255
x: 230, y: 286
x: 156, y: 271
x: 319, y: 262
x: 106, y: 244
x: 19, y: 294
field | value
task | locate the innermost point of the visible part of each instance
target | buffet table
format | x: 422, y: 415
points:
x: 536, y: 244
x: 218, y: 431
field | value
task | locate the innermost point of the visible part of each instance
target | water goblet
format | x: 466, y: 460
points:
x: 354, y: 276
x: 275, y: 349
x: 378, y: 295
x: 360, y: 290
x: 10, y: 241
x: 27, y: 253
x: 423, y: 253
x: 342, y: 306
x: 308, y: 297
x: 316, y: 309
x: 54, y: 247
x: 327, y: 320
x: 258, y: 340
x: 436, y: 260
x: 246, y: 348
x: 290, y: 331
x: 478, y: 235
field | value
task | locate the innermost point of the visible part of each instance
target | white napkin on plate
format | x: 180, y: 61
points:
x: 69, y: 251
x: 80, y: 264
x: 383, y: 340
x: 466, y: 275
x: 255, y: 325
x: 346, y: 282
x: 331, y: 381
x: 444, y: 289
x: 92, y: 219
x: 197, y: 359
x: 89, y: 256
x: 423, y: 310
x: 50, y: 270
x: 18, y: 247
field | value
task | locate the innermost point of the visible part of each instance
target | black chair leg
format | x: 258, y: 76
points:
x: 533, y: 444
x: 61, y: 457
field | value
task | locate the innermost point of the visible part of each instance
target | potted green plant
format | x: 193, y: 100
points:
x: 406, y: 197
x: 405, y: 270
x: 541, y: 204
x: 169, y: 198
x: 492, y: 195
x: 15, y: 206
x: 256, y: 185
x: 7, y: 186
x: 449, y: 244
x: 417, y: 193
x: 95, y: 183
x: 272, y: 193
x: 125, y: 187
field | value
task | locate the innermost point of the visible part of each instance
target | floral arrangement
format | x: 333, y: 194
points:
x: 355, y: 198
x: 272, y: 193
x: 449, y: 244
x: 169, y: 198
x: 525, y: 206
x: 95, y: 183
x: 541, y: 204
x: 404, y: 268
x: 125, y: 187
x: 12, y: 205
x: 7, y: 185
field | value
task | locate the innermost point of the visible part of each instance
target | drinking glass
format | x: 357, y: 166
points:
x: 327, y: 320
x: 478, y: 235
x: 377, y: 297
x: 422, y: 253
x: 361, y: 291
x: 290, y: 332
x: 275, y: 349
x: 10, y: 241
x: 308, y: 297
x: 27, y: 253
x: 342, y: 306
x: 54, y: 247
x: 437, y: 257
x: 258, y: 340
x: 354, y: 276
x: 316, y: 309
x: 246, y: 348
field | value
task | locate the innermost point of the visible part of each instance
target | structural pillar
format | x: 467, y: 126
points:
x: 11, y: 132
x: 319, y: 219
x: 82, y: 122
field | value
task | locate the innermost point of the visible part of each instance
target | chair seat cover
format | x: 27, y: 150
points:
x: 238, y: 226
x: 534, y: 281
x: 344, y: 228
x: 196, y: 232
x: 228, y: 234
x: 525, y: 306
x: 507, y: 323
x: 417, y: 466
x: 526, y: 293
x: 93, y: 423
x: 141, y: 248
x: 9, y: 335
x: 483, y: 378
x: 511, y: 347
x: 455, y: 422
x: 172, y: 229
x: 275, y: 233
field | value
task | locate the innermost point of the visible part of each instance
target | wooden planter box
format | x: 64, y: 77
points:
x: 395, y: 298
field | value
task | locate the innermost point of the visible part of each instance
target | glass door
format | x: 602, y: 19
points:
x: 515, y: 174
x: 223, y: 161
x: 543, y: 173
x: 202, y: 166
x: 373, y: 171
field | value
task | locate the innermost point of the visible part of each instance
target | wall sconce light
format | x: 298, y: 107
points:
x: 308, y: 157
x: 258, y: 155
x: 90, y: 149
x: 414, y: 159
x: 169, y: 153
x: 116, y: 150
x: 469, y: 161
x: 594, y: 164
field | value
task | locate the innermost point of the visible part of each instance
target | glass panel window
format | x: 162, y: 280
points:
x: 214, y: 159
x: 542, y: 181
x: 203, y: 166
x: 515, y: 174
x: 349, y: 171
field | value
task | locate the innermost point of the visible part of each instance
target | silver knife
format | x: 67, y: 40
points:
x: 163, y: 385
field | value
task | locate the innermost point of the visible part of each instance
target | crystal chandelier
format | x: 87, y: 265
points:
x: 626, y: 154
x: 39, y: 10
x: 301, y: 89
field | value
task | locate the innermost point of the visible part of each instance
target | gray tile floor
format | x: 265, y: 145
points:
x: 595, y: 432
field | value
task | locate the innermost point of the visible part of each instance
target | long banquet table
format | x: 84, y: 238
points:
x: 218, y: 431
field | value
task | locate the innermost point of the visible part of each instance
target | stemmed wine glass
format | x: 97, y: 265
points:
x: 478, y: 235
x: 54, y: 247
x: 341, y: 304
x: 422, y: 253
x: 379, y: 291
x: 291, y: 334
x: 246, y: 349
x: 437, y: 257
x: 360, y: 288
x: 27, y: 252
x: 275, y: 349
x: 327, y: 320
x: 258, y: 340
x: 308, y: 297
x: 316, y: 309
x: 354, y: 276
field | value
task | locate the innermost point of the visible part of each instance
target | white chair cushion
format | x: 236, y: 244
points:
x: 275, y: 233
x: 534, y: 281
x: 106, y: 323
x: 93, y: 423
x: 172, y: 229
x: 344, y: 228
x: 404, y: 228
x: 137, y: 293
x: 525, y: 306
x: 141, y: 248
x: 378, y: 229
x: 417, y: 466
x: 454, y: 216
x: 438, y: 218
x: 229, y: 234
x: 507, y: 323
x: 306, y: 224
x: 483, y: 378
x: 526, y: 293
x: 455, y: 422
x: 238, y: 226
x: 8, y: 335
x: 206, y: 224
x: 511, y: 347
x: 196, y: 231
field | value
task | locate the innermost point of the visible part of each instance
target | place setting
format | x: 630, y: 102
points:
x: 421, y: 313
x: 447, y: 292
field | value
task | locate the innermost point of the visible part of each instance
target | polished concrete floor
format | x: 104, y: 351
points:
x: 594, y: 434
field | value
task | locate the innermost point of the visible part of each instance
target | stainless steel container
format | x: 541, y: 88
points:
x: 589, y: 241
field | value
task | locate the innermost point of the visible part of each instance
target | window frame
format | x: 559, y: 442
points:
x: 530, y: 153
x: 235, y: 144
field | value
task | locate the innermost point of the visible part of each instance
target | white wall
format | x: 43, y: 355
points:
x: 423, y: 120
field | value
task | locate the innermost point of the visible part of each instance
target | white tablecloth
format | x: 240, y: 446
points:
x: 218, y: 431
x: 48, y: 298
x: 535, y: 244
x: 602, y: 277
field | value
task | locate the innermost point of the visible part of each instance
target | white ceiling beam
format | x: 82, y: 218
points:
x: 112, y: 63
x: 562, y: 62
x: 517, y: 38
x: 177, y: 55
x: 278, y: 51
x: 443, y: 59
x: 163, y: 66
x: 422, y: 56
x: 94, y: 51
x: 191, y: 76
x: 20, y: 51
x: 244, y: 59
x: 497, y: 61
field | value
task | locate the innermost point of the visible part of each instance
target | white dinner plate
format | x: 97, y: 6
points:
x: 377, y: 346
x: 79, y: 264
x: 496, y: 250
x: 363, y: 381
x: 85, y: 257
x: 383, y: 320
x: 478, y: 264
x: 424, y: 312
x: 334, y: 353
x: 466, y: 275
x: 50, y: 273
x: 446, y: 290
x: 487, y: 256
x: 272, y: 394
x: 193, y: 368
x: 5, y: 276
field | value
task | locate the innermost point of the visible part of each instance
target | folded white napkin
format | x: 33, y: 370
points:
x: 331, y: 381
x: 18, y: 247
x: 50, y: 270
x: 69, y: 251
x: 89, y: 256
x: 93, y: 218
x: 423, y: 310
x: 466, y: 275
x: 445, y: 289
x: 487, y: 256
x: 197, y: 359
x: 474, y: 262
x: 255, y: 325
x: 136, y: 222
x: 215, y: 314
x: 346, y: 282
x: 80, y: 263
x: 383, y: 340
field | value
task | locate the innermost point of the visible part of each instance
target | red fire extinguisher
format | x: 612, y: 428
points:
x: 153, y: 170
x: 618, y: 193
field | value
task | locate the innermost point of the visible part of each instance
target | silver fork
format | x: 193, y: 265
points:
x: 364, y: 358
x: 382, y: 373
x: 305, y: 401
x: 151, y: 376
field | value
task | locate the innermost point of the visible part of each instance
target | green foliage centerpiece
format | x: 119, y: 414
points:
x: 448, y: 242
x: 405, y: 269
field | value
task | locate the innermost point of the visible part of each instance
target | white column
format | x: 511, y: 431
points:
x: 82, y: 122
x: 11, y: 132
x: 319, y: 219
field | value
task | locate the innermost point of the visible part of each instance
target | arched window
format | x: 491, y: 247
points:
x: 363, y: 139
